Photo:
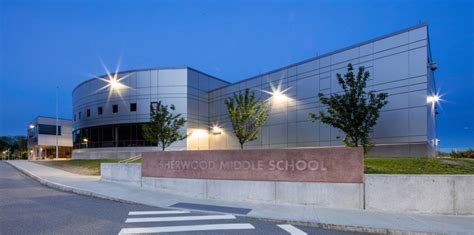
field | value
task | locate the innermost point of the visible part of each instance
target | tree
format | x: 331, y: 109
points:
x: 247, y: 115
x: 164, y: 127
x: 355, y: 111
x: 3, y: 144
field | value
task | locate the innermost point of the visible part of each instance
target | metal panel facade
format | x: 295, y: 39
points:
x: 398, y: 64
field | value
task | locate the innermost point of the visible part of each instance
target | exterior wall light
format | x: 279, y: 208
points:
x: 112, y: 81
x: 433, y: 66
x: 277, y: 95
x: 432, y: 99
x: 32, y: 126
x: 85, y: 140
x: 216, y: 130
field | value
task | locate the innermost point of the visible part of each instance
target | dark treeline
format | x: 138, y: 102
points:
x: 13, y: 147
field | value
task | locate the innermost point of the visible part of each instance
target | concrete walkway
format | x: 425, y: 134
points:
x: 348, y: 220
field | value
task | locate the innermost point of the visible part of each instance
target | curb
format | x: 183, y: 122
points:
x: 346, y: 228
x: 70, y: 189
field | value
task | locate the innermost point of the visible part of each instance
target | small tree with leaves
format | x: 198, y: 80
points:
x: 247, y: 115
x: 354, y: 111
x: 164, y: 127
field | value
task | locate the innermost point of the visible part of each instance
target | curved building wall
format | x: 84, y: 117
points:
x: 98, y: 124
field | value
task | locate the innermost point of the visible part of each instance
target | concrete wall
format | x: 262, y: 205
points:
x: 110, y: 153
x: 124, y: 173
x: 402, y: 150
x: 325, y: 195
x: 434, y: 194
x: 437, y: 194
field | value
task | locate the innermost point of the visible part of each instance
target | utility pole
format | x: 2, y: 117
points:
x: 57, y: 127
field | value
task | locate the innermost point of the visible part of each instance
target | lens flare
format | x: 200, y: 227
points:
x: 113, y: 81
x: 277, y: 95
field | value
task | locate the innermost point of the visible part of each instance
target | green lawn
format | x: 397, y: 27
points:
x: 403, y: 165
x: 414, y: 165
x: 82, y: 167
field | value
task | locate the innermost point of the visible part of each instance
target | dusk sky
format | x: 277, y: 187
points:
x: 44, y: 44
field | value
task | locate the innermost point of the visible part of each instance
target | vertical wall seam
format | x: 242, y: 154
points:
x: 363, y: 193
x: 454, y: 196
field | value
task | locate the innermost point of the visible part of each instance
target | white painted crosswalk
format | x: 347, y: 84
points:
x: 208, y: 222
x: 178, y: 218
x: 187, y: 228
x: 291, y: 229
x: 157, y: 212
x: 179, y: 215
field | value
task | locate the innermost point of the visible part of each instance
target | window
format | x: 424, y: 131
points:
x: 79, y: 115
x: 114, y: 108
x: 88, y: 113
x: 99, y: 111
x: 133, y: 107
x: 119, y: 135
x: 153, y: 106
x: 48, y: 129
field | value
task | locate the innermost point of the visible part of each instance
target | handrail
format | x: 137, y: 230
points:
x: 131, y: 159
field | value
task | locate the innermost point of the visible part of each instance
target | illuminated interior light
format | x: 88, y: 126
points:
x: 32, y: 126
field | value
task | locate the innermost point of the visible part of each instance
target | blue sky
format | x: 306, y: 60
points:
x: 48, y: 43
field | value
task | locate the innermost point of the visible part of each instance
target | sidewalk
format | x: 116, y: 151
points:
x: 348, y: 220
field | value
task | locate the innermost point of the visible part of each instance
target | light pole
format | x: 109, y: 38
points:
x: 57, y: 127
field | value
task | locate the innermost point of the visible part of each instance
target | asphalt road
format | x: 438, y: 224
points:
x: 27, y: 207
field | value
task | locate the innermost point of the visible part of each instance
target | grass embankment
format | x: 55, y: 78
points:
x: 418, y: 165
x: 402, y: 165
x: 81, y: 167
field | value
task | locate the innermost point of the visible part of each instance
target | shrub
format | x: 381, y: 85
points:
x: 462, y: 154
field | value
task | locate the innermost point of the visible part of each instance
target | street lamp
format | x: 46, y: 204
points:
x: 57, y: 125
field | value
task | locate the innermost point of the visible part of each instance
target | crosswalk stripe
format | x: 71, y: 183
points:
x: 156, y: 212
x: 187, y: 228
x: 178, y: 218
x: 292, y: 229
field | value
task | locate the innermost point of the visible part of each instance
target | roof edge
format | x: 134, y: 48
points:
x: 420, y: 25
x: 153, y: 68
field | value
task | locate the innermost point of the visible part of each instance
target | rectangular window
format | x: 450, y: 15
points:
x: 99, y: 111
x: 133, y: 107
x: 79, y: 115
x: 153, y: 106
x: 114, y: 108
x: 88, y: 113
x: 48, y: 129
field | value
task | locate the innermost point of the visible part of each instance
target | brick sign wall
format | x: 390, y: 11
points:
x: 337, y: 164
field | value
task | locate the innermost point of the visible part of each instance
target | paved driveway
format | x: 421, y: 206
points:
x: 27, y: 207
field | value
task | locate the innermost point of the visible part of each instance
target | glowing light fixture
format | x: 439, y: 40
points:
x: 433, y: 99
x: 277, y: 94
x: 85, y: 140
x: 113, y: 81
x: 32, y: 126
x: 216, y: 130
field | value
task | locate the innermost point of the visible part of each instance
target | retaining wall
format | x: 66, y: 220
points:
x: 329, y: 195
x: 124, y: 173
x: 436, y: 194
